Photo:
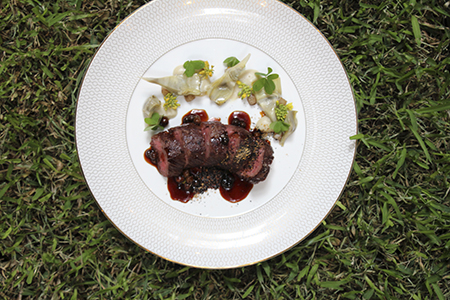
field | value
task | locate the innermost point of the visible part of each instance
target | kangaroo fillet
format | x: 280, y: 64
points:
x: 211, y: 144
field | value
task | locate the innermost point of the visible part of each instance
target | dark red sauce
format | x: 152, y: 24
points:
x: 238, y: 191
x: 177, y: 192
x: 240, y: 118
x: 233, y: 191
x: 195, y: 116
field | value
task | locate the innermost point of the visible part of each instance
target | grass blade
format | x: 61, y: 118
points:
x: 438, y: 291
x: 421, y: 143
x: 416, y: 30
x: 435, y: 108
x: 400, y: 162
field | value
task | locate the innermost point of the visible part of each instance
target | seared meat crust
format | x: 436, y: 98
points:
x: 212, y: 144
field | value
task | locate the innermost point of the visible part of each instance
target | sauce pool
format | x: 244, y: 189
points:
x: 239, y: 191
x: 195, y: 115
x: 239, y: 118
x: 178, y: 193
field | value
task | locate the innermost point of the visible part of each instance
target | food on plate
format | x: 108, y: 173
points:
x: 168, y: 108
x: 263, y: 124
x: 222, y: 88
x: 290, y: 119
x: 181, y: 84
x: 200, y: 154
x: 211, y: 144
x: 204, y: 154
x: 157, y: 114
x: 193, y: 79
x: 268, y: 102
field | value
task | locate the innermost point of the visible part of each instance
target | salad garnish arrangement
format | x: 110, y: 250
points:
x: 194, y: 79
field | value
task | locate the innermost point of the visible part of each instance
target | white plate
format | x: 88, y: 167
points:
x: 307, y: 175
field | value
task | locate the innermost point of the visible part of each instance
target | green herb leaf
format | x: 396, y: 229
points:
x: 266, y: 81
x: 192, y: 66
x: 153, y: 122
x: 269, y: 86
x: 231, y: 61
x: 272, y: 76
x: 279, y: 126
x: 155, y: 117
x: 258, y: 84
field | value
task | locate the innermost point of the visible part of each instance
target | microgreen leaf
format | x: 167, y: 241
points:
x: 265, y: 81
x: 192, y: 66
x: 258, y: 84
x: 153, y: 122
x: 231, y: 61
x: 279, y: 126
x: 272, y: 76
x: 269, y: 86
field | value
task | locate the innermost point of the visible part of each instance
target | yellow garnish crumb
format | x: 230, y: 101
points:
x: 281, y: 110
x: 170, y: 101
x: 207, y: 70
x: 246, y: 91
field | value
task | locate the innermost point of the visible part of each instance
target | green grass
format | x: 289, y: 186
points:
x: 389, y: 237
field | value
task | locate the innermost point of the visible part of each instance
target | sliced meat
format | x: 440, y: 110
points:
x: 168, y: 153
x: 194, y: 145
x: 212, y: 144
x: 216, y: 142
x: 253, y: 166
x: 259, y: 168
